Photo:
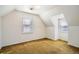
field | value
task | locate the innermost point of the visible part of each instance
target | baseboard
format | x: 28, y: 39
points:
x: 62, y: 40
x: 26, y: 42
x: 34, y: 41
x: 77, y: 46
x: 58, y: 40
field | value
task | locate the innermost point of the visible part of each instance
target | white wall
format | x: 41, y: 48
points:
x: 74, y: 36
x: 54, y: 20
x: 63, y: 35
x: 0, y: 32
x: 59, y: 34
x: 12, y: 26
x: 50, y: 32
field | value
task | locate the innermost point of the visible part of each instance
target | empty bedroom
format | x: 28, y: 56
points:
x: 39, y: 29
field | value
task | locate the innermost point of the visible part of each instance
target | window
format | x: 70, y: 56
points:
x: 27, y: 24
x: 64, y: 28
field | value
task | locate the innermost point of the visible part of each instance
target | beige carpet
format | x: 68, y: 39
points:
x: 42, y: 46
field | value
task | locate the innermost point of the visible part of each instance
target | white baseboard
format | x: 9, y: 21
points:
x: 73, y: 44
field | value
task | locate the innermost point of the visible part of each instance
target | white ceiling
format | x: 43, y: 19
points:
x: 26, y: 8
x: 71, y: 13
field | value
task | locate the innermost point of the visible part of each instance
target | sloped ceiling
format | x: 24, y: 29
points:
x: 72, y: 14
x: 46, y: 12
x: 5, y: 9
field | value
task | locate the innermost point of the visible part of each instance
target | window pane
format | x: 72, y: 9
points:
x: 27, y: 24
x: 27, y: 29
